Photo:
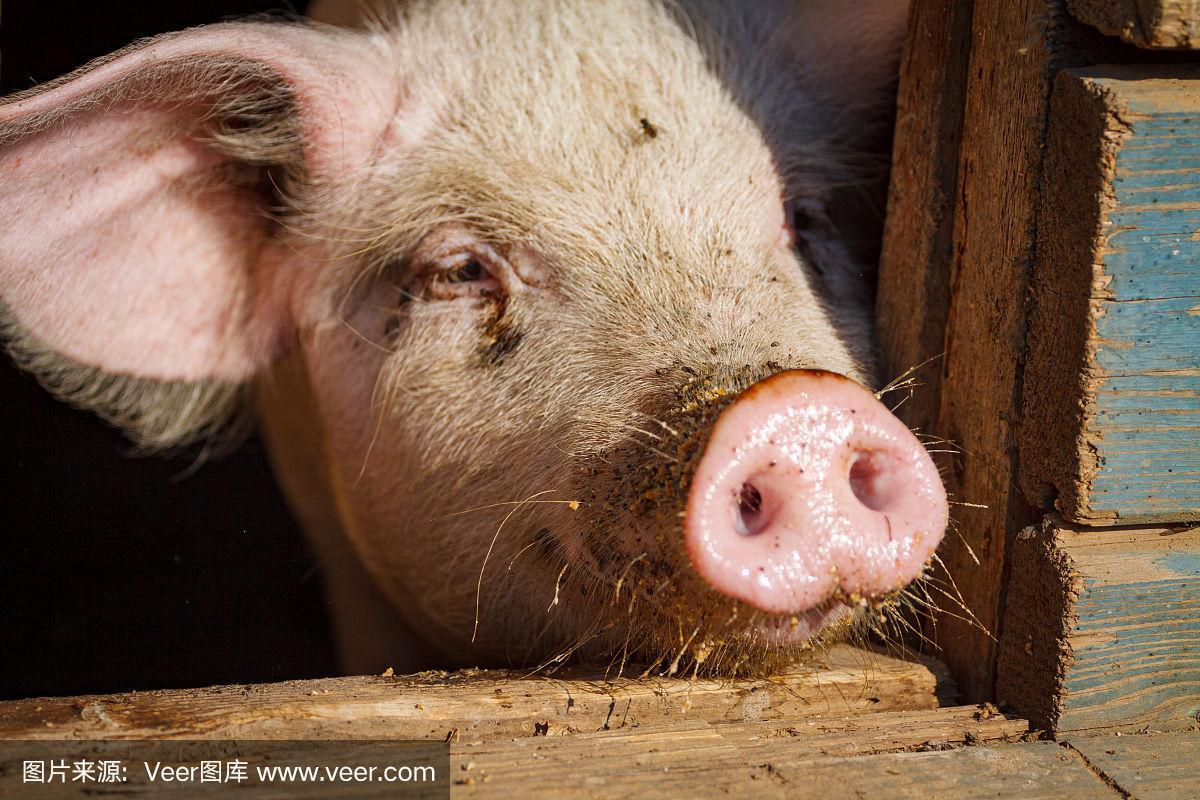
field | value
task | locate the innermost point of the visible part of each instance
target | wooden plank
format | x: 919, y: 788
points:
x: 1027, y: 771
x: 1102, y: 629
x: 699, y: 763
x: 682, y: 760
x: 998, y: 169
x: 672, y: 758
x: 478, y: 703
x: 913, y: 293
x: 1163, y: 766
x: 1111, y: 429
x: 696, y: 759
x: 1146, y: 23
x: 859, y: 734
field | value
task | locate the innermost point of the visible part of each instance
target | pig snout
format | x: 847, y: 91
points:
x: 810, y: 490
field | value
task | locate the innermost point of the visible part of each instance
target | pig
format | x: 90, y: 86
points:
x: 553, y: 314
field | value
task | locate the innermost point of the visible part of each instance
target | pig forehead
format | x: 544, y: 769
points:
x: 632, y: 145
x: 652, y: 162
x: 606, y: 94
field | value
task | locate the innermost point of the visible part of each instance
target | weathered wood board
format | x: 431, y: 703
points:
x: 913, y: 296
x: 734, y: 759
x: 479, y: 703
x: 1102, y: 629
x: 680, y: 758
x: 1145, y: 23
x: 879, y: 732
x: 705, y: 763
x: 1111, y: 417
x: 1163, y: 766
x: 1031, y: 770
x: 1008, y: 60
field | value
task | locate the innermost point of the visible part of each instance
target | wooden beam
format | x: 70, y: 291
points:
x: 1145, y: 23
x: 913, y: 294
x: 1111, y: 430
x: 683, y: 757
x: 1102, y: 628
x: 478, y: 703
x: 1011, y: 57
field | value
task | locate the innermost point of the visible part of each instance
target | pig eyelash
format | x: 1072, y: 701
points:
x: 469, y: 271
x: 465, y: 274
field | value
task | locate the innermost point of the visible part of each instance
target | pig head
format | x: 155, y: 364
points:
x: 550, y: 312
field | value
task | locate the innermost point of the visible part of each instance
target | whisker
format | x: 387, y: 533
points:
x: 520, y: 553
x: 907, y: 375
x: 364, y: 338
x: 572, y: 504
x: 557, y: 586
x: 959, y: 598
x: 903, y: 400
x: 621, y: 580
x: 488, y: 554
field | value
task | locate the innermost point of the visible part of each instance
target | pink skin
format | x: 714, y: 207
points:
x: 845, y: 500
x: 104, y: 212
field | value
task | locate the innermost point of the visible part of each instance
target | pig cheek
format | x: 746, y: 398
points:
x: 386, y: 462
x: 372, y: 479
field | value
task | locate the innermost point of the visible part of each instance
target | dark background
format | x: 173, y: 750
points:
x: 119, y: 572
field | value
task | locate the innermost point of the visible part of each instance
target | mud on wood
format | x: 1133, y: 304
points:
x: 1145, y: 23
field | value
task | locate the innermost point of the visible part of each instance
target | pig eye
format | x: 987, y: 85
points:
x: 463, y: 275
x: 470, y: 271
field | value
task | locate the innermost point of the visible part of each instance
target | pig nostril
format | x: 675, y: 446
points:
x: 750, y: 516
x: 871, y: 481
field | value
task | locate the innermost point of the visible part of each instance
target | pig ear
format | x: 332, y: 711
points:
x: 138, y: 237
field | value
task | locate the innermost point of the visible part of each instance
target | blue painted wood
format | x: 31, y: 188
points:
x: 1102, y: 627
x: 1134, y: 400
x: 1134, y: 629
x: 1148, y: 326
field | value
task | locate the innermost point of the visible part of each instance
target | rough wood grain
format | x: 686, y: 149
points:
x: 1032, y: 770
x: 858, y: 734
x: 702, y: 763
x: 1163, y: 766
x: 1103, y: 628
x: 477, y: 703
x: 913, y: 294
x: 1011, y: 57
x: 695, y: 759
x: 1146, y: 23
x: 1111, y: 430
